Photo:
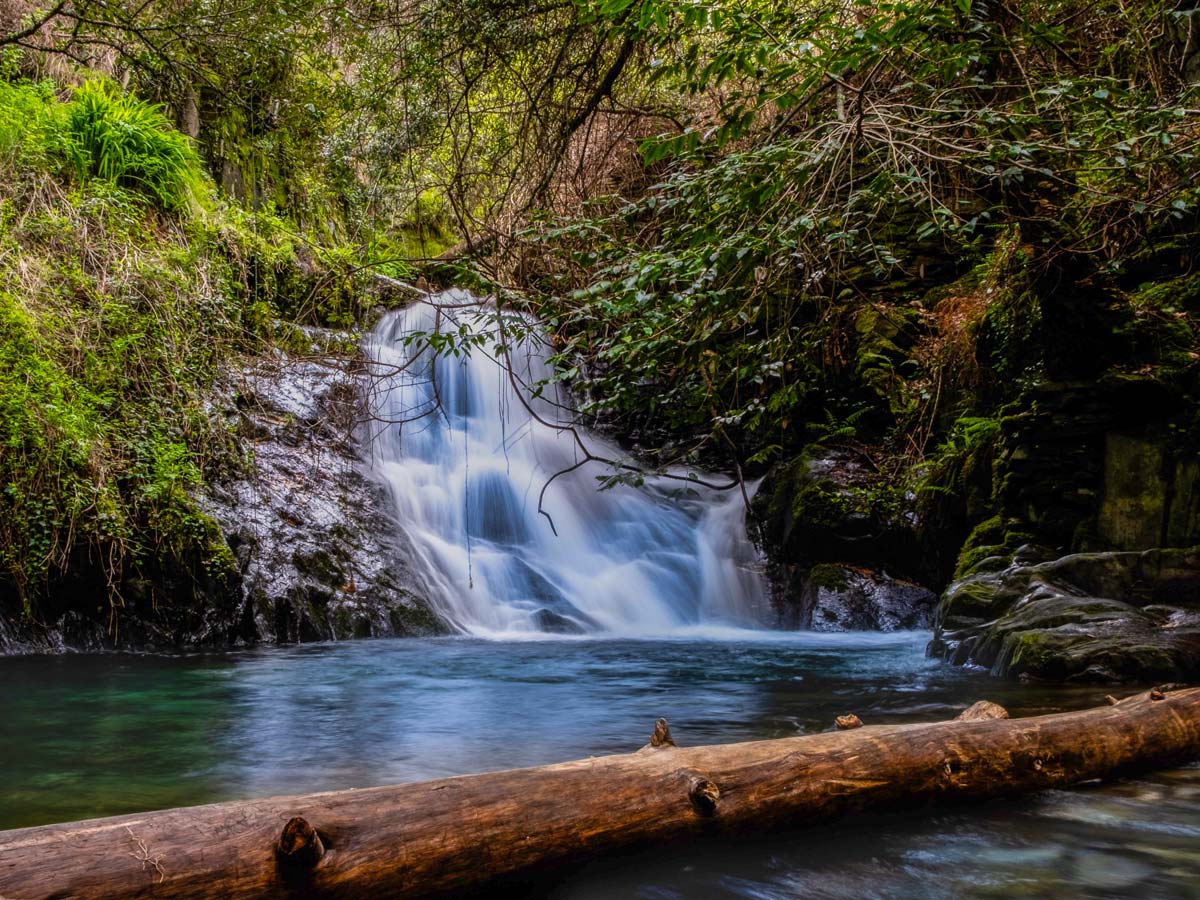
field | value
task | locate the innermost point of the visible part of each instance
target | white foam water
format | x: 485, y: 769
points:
x: 470, y: 448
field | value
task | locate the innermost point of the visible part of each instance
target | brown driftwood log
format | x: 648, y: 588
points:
x: 414, y: 839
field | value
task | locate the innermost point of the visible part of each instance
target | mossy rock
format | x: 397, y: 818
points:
x: 985, y: 541
x: 829, y: 576
x: 976, y: 600
x: 825, y: 506
x: 416, y: 620
x: 1059, y: 655
x: 822, y: 505
x: 1099, y: 617
x: 883, y: 335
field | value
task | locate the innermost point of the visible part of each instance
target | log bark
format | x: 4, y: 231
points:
x: 417, y: 839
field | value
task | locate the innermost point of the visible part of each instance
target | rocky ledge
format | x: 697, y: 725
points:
x: 318, y: 549
x: 850, y: 598
x: 307, y: 546
x: 837, y: 560
x: 1093, y: 617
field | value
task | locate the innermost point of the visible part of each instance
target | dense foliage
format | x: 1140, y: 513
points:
x: 751, y: 227
x: 851, y: 158
x: 126, y: 289
x: 109, y: 312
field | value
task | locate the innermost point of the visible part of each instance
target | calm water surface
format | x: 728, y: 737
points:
x: 84, y: 736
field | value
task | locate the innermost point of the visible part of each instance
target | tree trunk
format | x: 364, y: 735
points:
x: 415, y: 839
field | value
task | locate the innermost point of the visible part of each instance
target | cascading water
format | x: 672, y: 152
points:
x: 467, y: 448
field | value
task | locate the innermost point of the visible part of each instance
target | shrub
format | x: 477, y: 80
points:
x: 28, y: 115
x: 130, y: 142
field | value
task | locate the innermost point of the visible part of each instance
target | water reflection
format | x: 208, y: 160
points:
x: 83, y: 736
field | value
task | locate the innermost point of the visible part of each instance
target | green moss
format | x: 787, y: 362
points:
x: 1028, y: 651
x: 217, y: 557
x: 830, y: 577
x: 992, y: 538
x: 988, y: 532
x: 819, y: 504
x: 880, y: 361
x: 1171, y: 295
x: 1006, y: 342
x: 1163, y: 326
x: 973, y: 600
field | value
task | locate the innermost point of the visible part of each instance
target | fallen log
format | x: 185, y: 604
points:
x: 416, y: 839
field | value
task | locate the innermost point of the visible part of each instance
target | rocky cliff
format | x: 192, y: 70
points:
x: 313, y: 550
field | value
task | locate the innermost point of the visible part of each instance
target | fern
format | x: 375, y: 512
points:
x: 131, y: 143
x: 833, y: 429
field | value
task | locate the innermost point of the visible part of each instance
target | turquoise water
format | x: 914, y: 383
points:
x: 84, y: 736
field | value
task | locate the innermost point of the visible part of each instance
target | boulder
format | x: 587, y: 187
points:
x: 830, y: 506
x: 845, y: 598
x: 1096, y: 617
x: 320, y: 552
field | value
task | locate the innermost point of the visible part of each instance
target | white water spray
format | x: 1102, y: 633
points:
x: 467, y: 449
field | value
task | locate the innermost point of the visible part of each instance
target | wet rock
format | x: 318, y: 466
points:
x: 307, y: 545
x: 826, y: 506
x: 549, y: 621
x: 1093, y: 617
x: 829, y: 525
x: 319, y: 551
x: 845, y: 598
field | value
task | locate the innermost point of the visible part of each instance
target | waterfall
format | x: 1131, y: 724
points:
x: 469, y: 449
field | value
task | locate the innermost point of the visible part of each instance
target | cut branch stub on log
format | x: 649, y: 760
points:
x: 704, y: 794
x: 848, y: 721
x: 983, y: 709
x: 412, y: 840
x: 300, y: 846
x: 662, y: 735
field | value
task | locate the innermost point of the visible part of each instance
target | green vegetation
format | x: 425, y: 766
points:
x: 125, y: 289
x: 113, y: 312
x: 909, y: 143
x: 129, y: 143
x: 932, y: 233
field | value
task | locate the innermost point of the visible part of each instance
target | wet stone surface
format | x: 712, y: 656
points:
x: 319, y: 550
x: 1093, y: 617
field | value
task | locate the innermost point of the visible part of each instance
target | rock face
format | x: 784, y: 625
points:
x: 829, y: 539
x: 824, y: 507
x: 842, y: 598
x: 314, y: 552
x: 1097, y: 617
x: 1080, y: 567
x: 317, y: 547
x: 1093, y: 466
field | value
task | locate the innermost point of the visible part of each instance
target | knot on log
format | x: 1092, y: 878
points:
x: 1157, y: 694
x: 981, y: 710
x: 662, y: 735
x: 848, y: 721
x: 704, y: 795
x: 299, y: 847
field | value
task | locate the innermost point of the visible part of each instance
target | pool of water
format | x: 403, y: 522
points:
x: 84, y: 736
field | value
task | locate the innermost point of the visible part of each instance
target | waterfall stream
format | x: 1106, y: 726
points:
x: 470, y: 450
